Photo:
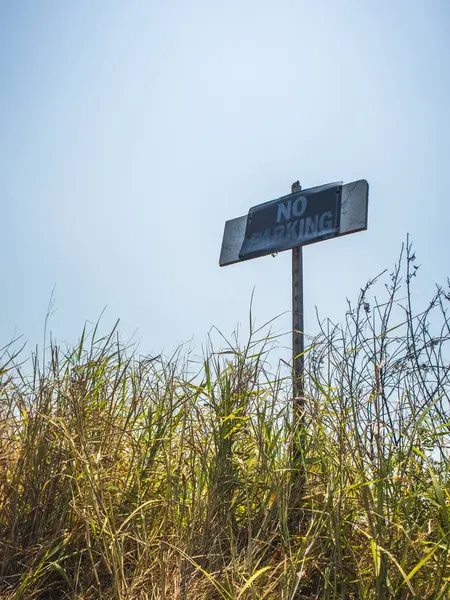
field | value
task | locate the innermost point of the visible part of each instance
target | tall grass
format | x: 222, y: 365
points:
x: 147, y: 478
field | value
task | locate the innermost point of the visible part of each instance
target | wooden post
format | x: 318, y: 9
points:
x: 298, y: 344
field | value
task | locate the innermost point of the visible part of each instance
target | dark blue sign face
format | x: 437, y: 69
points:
x: 295, y: 220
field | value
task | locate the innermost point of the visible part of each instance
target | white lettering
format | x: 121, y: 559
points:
x: 278, y: 232
x: 311, y: 226
x: 299, y: 206
x: 292, y: 229
x: 255, y: 239
x: 284, y: 211
x: 301, y: 228
x: 267, y: 236
x: 326, y: 221
x: 295, y: 229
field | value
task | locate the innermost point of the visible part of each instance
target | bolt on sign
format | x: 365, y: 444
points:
x: 301, y: 218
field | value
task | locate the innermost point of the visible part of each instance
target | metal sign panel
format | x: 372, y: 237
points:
x: 297, y: 219
x: 293, y: 220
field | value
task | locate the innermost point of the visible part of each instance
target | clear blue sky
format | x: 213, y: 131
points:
x: 130, y: 131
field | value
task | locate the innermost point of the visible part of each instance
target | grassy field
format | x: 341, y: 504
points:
x: 148, y: 478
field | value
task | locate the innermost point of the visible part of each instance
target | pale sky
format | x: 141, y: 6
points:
x: 131, y: 131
